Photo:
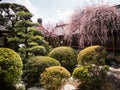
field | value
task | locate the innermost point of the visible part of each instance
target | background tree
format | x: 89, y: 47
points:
x: 49, y: 34
x: 23, y: 36
x: 52, y: 35
x: 29, y: 40
x: 95, y: 25
x: 8, y: 14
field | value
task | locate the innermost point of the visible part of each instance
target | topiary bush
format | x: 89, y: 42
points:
x: 53, y: 78
x: 10, y: 68
x: 67, y: 56
x: 92, y: 55
x: 92, y: 77
x: 35, y: 66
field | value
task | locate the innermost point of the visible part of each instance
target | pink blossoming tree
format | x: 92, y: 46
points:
x: 94, y: 25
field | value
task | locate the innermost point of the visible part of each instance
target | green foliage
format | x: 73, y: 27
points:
x: 19, y: 7
x: 34, y: 44
x: 81, y: 73
x: 13, y: 7
x: 23, y: 23
x: 92, y: 55
x: 39, y: 50
x: 15, y: 39
x: 66, y: 56
x: 53, y: 78
x: 10, y: 68
x: 17, y: 20
x: 9, y: 13
x: 92, y: 76
x: 36, y: 66
x: 40, y: 33
x: 38, y: 39
x: 24, y: 14
x: 5, y: 5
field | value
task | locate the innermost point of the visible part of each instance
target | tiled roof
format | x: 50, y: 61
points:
x: 117, y: 6
x: 60, y: 29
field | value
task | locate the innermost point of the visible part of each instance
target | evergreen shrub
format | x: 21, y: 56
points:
x: 67, y: 56
x: 53, y: 78
x: 35, y: 66
x: 10, y: 68
x: 92, y: 55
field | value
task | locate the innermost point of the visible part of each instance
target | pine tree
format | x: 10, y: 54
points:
x: 23, y: 36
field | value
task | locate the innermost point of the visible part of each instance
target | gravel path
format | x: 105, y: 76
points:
x: 35, y: 88
x: 114, y: 77
x: 66, y: 87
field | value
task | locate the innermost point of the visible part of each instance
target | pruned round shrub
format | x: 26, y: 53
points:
x: 67, y: 56
x: 10, y: 68
x: 53, y: 78
x: 36, y: 66
x: 92, y: 55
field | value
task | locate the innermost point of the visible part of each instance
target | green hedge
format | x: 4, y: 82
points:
x: 67, y: 56
x: 36, y: 66
x: 10, y: 68
x: 92, y: 55
x: 53, y: 78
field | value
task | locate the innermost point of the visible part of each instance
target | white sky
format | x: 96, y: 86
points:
x: 53, y: 11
